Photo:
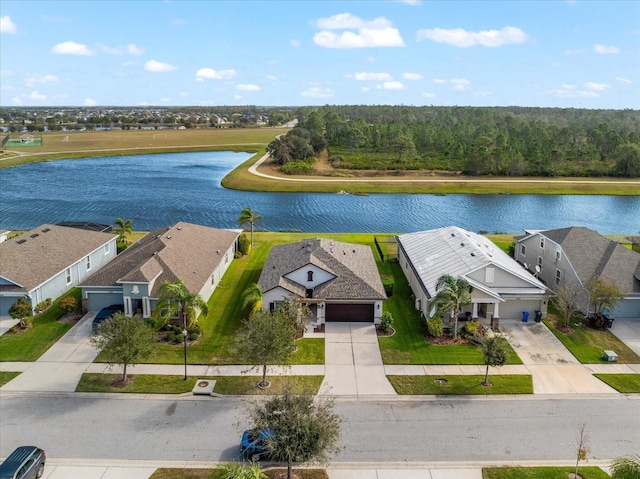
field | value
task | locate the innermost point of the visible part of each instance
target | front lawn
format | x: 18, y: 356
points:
x: 623, y: 383
x: 30, y: 344
x: 462, y: 385
x: 165, y: 384
x: 166, y: 473
x: 6, y: 376
x: 408, y: 345
x: 587, y: 344
x: 587, y: 472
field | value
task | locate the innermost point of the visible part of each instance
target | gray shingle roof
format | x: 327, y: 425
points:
x: 354, y: 268
x: 183, y: 251
x: 36, y: 256
x: 592, y: 254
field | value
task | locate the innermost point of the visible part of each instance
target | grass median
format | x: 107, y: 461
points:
x: 623, y: 383
x: 586, y: 472
x: 462, y: 385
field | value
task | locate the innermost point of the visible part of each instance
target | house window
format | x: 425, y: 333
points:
x: 213, y: 279
x: 226, y: 258
x: 523, y: 250
x: 540, y: 262
x: 489, y: 275
x: 309, y: 275
x: 558, y: 254
x: 542, y: 242
x: 106, y: 248
x: 558, y: 276
x: 309, y: 293
x: 88, y: 263
x: 67, y: 274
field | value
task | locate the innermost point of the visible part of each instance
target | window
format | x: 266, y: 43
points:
x: 226, y: 258
x: 67, y: 273
x: 540, y: 262
x: 558, y: 276
x: 542, y: 242
x: 106, y: 248
x: 489, y: 275
x: 558, y: 254
x: 213, y: 279
x: 309, y: 275
x: 88, y: 263
x: 309, y: 293
x: 523, y: 250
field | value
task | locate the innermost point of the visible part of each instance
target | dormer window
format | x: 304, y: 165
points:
x: 542, y: 242
x: 309, y: 275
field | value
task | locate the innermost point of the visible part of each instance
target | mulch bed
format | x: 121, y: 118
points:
x: 445, y: 340
x: 119, y: 383
x: 560, y: 326
x: 71, y: 317
x: 384, y: 334
x: 281, y: 473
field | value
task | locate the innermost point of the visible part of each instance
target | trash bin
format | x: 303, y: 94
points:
x: 608, y: 318
x: 538, y: 316
x: 525, y: 316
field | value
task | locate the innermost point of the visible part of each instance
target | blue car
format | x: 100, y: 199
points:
x: 253, y: 445
x: 105, y: 313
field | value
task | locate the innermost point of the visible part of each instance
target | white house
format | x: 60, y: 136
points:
x: 500, y: 287
x: 339, y: 281
x: 48, y: 261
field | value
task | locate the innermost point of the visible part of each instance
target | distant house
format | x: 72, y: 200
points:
x: 500, y: 287
x: 197, y: 255
x: 4, y: 234
x: 576, y: 254
x: 339, y: 281
x: 48, y: 261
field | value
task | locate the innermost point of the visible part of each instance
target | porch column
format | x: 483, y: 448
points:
x: 496, y: 312
x: 474, y: 314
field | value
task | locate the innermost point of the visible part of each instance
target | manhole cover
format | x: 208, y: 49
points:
x: 204, y: 387
x: 203, y: 384
x: 440, y: 381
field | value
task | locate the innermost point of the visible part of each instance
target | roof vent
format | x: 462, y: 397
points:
x: 179, y: 228
x: 21, y: 241
x: 155, y: 253
x: 354, y: 251
x: 453, y: 234
x: 462, y: 244
x: 35, y: 235
x: 46, y: 230
x: 473, y: 254
x: 168, y: 236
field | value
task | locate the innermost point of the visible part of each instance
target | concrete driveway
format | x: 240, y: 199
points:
x: 628, y: 331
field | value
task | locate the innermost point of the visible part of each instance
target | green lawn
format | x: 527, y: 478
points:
x: 6, y: 376
x: 587, y: 344
x: 624, y: 383
x: 587, y: 472
x: 462, y: 385
x: 29, y: 345
x: 216, y: 473
x: 164, y: 384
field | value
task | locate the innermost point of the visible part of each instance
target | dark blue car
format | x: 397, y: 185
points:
x: 105, y: 313
x: 253, y: 445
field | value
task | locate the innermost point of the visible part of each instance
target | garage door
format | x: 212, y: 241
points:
x: 97, y: 301
x: 349, y: 312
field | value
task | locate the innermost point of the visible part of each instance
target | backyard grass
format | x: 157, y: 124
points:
x: 587, y: 472
x: 623, y: 383
x: 165, y: 384
x: 6, y: 376
x: 30, y: 344
x: 462, y: 385
x: 587, y: 344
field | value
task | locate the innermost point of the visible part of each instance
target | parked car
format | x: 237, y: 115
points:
x: 106, y: 313
x: 26, y: 462
x: 253, y: 444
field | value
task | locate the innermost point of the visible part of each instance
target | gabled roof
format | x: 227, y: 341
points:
x: 32, y: 258
x: 457, y: 252
x: 183, y: 251
x: 592, y: 254
x: 354, y: 268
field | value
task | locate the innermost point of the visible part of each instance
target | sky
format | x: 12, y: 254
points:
x: 549, y: 53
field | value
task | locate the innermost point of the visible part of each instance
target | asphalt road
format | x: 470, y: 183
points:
x: 458, y: 429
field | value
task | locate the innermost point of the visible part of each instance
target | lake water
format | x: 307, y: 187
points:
x: 159, y: 190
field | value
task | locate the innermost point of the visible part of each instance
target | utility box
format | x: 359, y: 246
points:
x: 610, y: 356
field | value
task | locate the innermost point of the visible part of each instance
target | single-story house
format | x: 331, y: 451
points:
x: 197, y: 255
x: 500, y: 287
x: 48, y: 261
x: 338, y: 281
x: 576, y: 254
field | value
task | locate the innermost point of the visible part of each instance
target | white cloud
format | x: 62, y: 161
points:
x: 460, y: 83
x: 572, y: 93
x: 428, y: 95
x: 577, y: 51
x: 16, y: 100
x: 412, y: 76
x: 247, y: 87
x: 596, y: 86
x: 365, y: 88
x: 459, y: 37
x: 34, y: 95
x: 31, y: 80
x: 413, y: 3
x: 7, y: 25
x: 482, y: 93
x: 378, y: 32
x: 89, y: 102
x: 237, y: 97
x: 604, y: 50
x: 130, y: 49
x: 568, y: 86
x: 624, y: 80
x: 439, y: 81
x: 272, y: 78
x: 294, y: 43
x: 315, y: 92
x: 133, y: 50
x: 370, y: 76
x: 391, y: 85
x: 71, y: 48
x: 158, y: 67
x: 211, y: 74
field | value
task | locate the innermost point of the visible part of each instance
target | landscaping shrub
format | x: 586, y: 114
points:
x: 297, y: 168
x: 386, y: 321
x: 470, y: 329
x: 68, y: 304
x: 20, y: 309
x: 237, y: 255
x: 244, y: 245
x: 435, y: 327
x: 42, y: 306
x: 194, y: 336
x: 388, y: 286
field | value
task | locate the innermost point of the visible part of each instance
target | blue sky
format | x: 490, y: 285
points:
x: 579, y: 54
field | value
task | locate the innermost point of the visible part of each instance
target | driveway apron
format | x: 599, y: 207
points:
x: 553, y: 368
x: 628, y: 331
x: 353, y: 364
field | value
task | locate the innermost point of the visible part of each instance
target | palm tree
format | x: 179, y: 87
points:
x: 453, y: 294
x: 625, y: 467
x: 248, y: 216
x: 123, y: 227
x: 176, y: 300
x: 252, y: 299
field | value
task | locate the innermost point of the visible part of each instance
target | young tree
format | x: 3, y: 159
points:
x: 625, y: 467
x: 125, y: 340
x: 123, y: 228
x: 303, y: 429
x: 582, y: 448
x: 268, y: 339
x: 452, y: 295
x: 252, y: 299
x: 603, y: 295
x: 248, y: 216
x: 176, y: 300
x: 566, y: 300
x: 21, y: 309
x: 494, y: 352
